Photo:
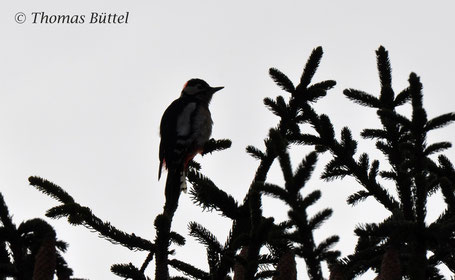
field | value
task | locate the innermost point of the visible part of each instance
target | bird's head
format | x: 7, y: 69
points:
x: 199, y: 89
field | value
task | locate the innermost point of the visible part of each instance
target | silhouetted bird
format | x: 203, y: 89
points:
x: 185, y: 128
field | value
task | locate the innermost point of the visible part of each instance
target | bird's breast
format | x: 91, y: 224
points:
x: 202, y: 125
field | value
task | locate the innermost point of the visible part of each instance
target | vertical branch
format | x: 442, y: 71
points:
x: 419, y: 119
x: 163, y: 224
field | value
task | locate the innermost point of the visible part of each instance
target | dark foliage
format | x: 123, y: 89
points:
x: 30, y: 250
x: 403, y: 141
x: 405, y: 244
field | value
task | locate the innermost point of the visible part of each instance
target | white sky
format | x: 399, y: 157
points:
x: 80, y: 105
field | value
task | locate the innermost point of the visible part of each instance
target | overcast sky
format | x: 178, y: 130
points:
x: 80, y: 104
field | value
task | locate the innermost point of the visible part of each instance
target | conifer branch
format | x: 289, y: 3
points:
x: 62, y: 269
x: 440, y: 121
x: 255, y: 152
x: 307, y: 139
x: 374, y: 134
x: 266, y: 162
x: 216, y: 145
x: 311, y: 67
x: 310, y: 199
x: 205, y: 237
x: 282, y: 80
x: 213, y: 246
x: 316, y: 221
x: 437, y: 147
x: 324, y: 85
x: 5, y: 217
x: 392, y: 116
x: 294, y: 181
x: 402, y: 98
x: 274, y: 191
x: 205, y: 194
x: 10, y: 234
x: 327, y: 244
x: 189, y: 269
x: 390, y: 175
x: 147, y: 261
x: 7, y: 269
x: 81, y: 215
x: 315, y: 92
x: 50, y: 189
x: 359, y: 196
x: 284, y: 159
x: 128, y: 271
x: 347, y: 143
x: 384, y: 68
x: 176, y: 238
x: 364, y: 161
x: 362, y: 98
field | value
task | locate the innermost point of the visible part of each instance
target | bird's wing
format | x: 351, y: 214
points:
x: 175, y: 124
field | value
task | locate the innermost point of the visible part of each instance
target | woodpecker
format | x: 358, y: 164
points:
x: 186, y: 127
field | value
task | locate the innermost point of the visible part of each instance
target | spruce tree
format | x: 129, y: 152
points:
x: 405, y: 244
x: 30, y: 250
x: 415, y: 173
x: 251, y: 233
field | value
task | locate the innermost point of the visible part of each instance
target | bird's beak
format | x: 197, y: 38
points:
x: 215, y: 89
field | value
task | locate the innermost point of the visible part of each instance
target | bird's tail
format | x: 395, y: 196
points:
x: 175, y: 182
x: 161, y: 168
